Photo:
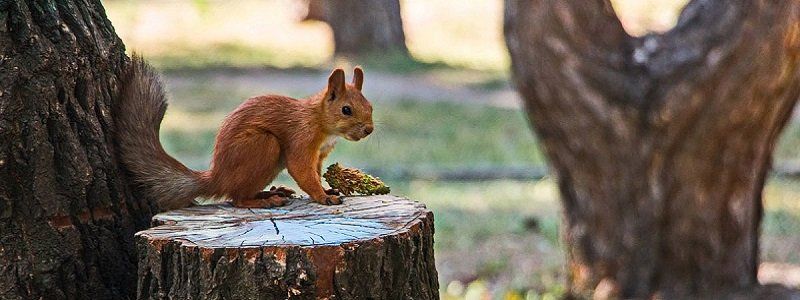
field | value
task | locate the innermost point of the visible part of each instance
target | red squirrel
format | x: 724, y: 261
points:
x: 259, y: 139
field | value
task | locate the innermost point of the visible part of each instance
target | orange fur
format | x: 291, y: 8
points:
x: 264, y: 135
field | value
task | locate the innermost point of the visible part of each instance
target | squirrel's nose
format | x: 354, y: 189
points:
x: 368, y: 129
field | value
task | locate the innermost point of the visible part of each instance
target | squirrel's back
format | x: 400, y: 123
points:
x: 137, y: 117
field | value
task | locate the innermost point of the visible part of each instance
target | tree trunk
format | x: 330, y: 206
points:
x: 661, y: 144
x: 316, y: 10
x: 377, y: 247
x: 67, y: 219
x: 362, y: 26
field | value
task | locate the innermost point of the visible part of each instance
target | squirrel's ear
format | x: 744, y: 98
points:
x: 358, y: 77
x: 335, y: 84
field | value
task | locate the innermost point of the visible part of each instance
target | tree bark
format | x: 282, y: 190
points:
x: 67, y: 219
x: 362, y: 26
x: 661, y: 144
x: 378, y: 247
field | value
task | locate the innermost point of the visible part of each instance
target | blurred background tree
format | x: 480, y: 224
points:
x: 661, y: 144
x: 361, y: 27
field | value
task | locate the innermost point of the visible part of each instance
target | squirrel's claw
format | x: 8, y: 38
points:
x: 282, y: 191
x: 275, y: 191
x: 331, y: 200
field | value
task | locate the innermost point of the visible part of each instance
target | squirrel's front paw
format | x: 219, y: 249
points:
x: 333, y: 192
x: 329, y: 200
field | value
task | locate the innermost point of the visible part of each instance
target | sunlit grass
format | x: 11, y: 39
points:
x: 781, y: 222
x: 232, y: 55
x: 788, y: 149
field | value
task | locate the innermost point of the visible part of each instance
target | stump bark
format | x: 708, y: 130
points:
x: 378, y: 247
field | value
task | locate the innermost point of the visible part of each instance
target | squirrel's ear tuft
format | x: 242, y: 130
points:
x: 336, y: 84
x: 358, y: 78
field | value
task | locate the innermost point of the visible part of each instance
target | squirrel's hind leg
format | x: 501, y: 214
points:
x: 271, y: 201
x: 244, y: 164
x: 276, y: 196
x: 279, y: 191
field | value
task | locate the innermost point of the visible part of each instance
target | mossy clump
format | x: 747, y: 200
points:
x: 353, y: 181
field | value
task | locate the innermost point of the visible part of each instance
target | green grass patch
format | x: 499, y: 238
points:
x: 397, y: 63
x: 789, y: 144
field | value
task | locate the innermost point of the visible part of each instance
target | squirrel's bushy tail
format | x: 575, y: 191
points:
x: 138, y: 117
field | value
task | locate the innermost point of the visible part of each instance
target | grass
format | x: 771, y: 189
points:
x: 231, y: 55
x: 781, y: 223
x: 788, y: 150
x: 399, y: 63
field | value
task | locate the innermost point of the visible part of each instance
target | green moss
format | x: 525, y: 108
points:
x: 353, y: 181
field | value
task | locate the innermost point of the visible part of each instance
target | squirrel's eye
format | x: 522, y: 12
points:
x: 347, y: 111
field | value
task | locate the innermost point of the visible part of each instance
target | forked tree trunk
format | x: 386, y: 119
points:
x: 67, y: 219
x: 661, y: 144
x: 362, y: 26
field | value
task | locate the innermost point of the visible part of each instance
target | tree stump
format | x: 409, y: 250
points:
x: 377, y: 247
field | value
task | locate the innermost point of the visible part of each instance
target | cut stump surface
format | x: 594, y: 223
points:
x: 377, y: 247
